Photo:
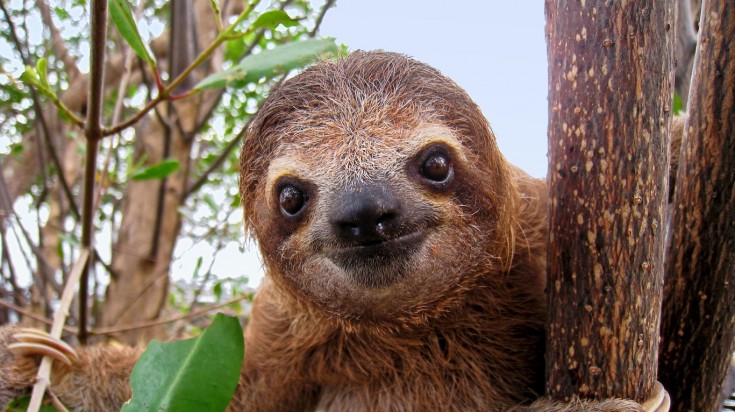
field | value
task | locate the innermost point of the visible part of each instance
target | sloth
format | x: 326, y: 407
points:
x: 405, y: 258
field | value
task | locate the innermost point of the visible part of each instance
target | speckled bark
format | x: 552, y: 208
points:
x: 610, y: 88
x: 698, y: 327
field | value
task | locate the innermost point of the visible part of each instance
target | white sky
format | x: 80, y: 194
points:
x: 495, y: 50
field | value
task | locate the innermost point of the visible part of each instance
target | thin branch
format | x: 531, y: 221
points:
x: 148, y: 324
x: 34, y: 316
x: 93, y: 133
x: 318, y: 23
x: 17, y: 293
x: 44, y: 267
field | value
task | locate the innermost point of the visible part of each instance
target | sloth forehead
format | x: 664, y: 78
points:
x: 360, y: 156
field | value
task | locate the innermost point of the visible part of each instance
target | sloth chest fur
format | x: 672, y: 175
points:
x: 461, y: 368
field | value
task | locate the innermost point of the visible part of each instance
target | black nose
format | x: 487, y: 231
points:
x: 366, y: 214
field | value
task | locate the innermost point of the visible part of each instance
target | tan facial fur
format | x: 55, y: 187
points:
x: 360, y: 133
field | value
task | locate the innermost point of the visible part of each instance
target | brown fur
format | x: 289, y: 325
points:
x: 457, y: 324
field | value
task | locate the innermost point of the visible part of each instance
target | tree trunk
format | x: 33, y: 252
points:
x: 698, y: 327
x: 610, y: 93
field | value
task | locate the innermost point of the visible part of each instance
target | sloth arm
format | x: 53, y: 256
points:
x: 96, y: 380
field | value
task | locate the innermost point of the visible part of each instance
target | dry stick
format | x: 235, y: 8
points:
x: 43, y: 377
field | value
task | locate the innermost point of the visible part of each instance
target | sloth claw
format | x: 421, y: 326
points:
x: 32, y: 342
x: 659, y: 401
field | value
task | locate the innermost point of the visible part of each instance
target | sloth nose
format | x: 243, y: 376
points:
x: 366, y: 214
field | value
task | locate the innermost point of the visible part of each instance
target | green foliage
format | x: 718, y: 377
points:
x: 270, y: 63
x: 38, y: 77
x: 678, y: 104
x: 157, y: 171
x: 198, y: 374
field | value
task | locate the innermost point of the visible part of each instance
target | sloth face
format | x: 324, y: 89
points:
x: 372, y: 201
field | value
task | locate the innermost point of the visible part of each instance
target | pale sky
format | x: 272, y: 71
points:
x: 495, y: 50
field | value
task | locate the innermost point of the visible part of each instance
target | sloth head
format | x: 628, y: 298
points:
x: 375, y: 189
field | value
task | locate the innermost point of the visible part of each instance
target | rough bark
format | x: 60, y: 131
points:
x: 698, y: 327
x: 610, y: 91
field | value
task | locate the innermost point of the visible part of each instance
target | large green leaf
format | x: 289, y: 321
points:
x: 157, y: 171
x: 199, y: 374
x: 122, y: 16
x: 270, y: 63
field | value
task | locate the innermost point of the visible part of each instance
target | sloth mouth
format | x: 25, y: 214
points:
x: 379, y: 262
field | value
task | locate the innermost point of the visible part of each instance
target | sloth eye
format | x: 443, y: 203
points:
x: 436, y: 167
x: 292, y: 200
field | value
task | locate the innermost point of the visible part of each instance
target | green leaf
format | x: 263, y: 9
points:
x: 197, y: 268
x: 42, y: 72
x: 16, y: 149
x: 122, y: 16
x: 235, y: 201
x: 217, y: 290
x: 271, y: 20
x: 209, y: 200
x: 30, y: 76
x: 192, y: 375
x: 21, y: 405
x: 157, y: 171
x: 270, y: 63
x: 61, y: 13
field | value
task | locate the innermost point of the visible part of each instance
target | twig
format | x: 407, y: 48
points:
x: 141, y: 325
x: 17, y: 293
x: 6, y: 205
x: 43, y: 377
x: 34, y: 316
x: 318, y: 23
